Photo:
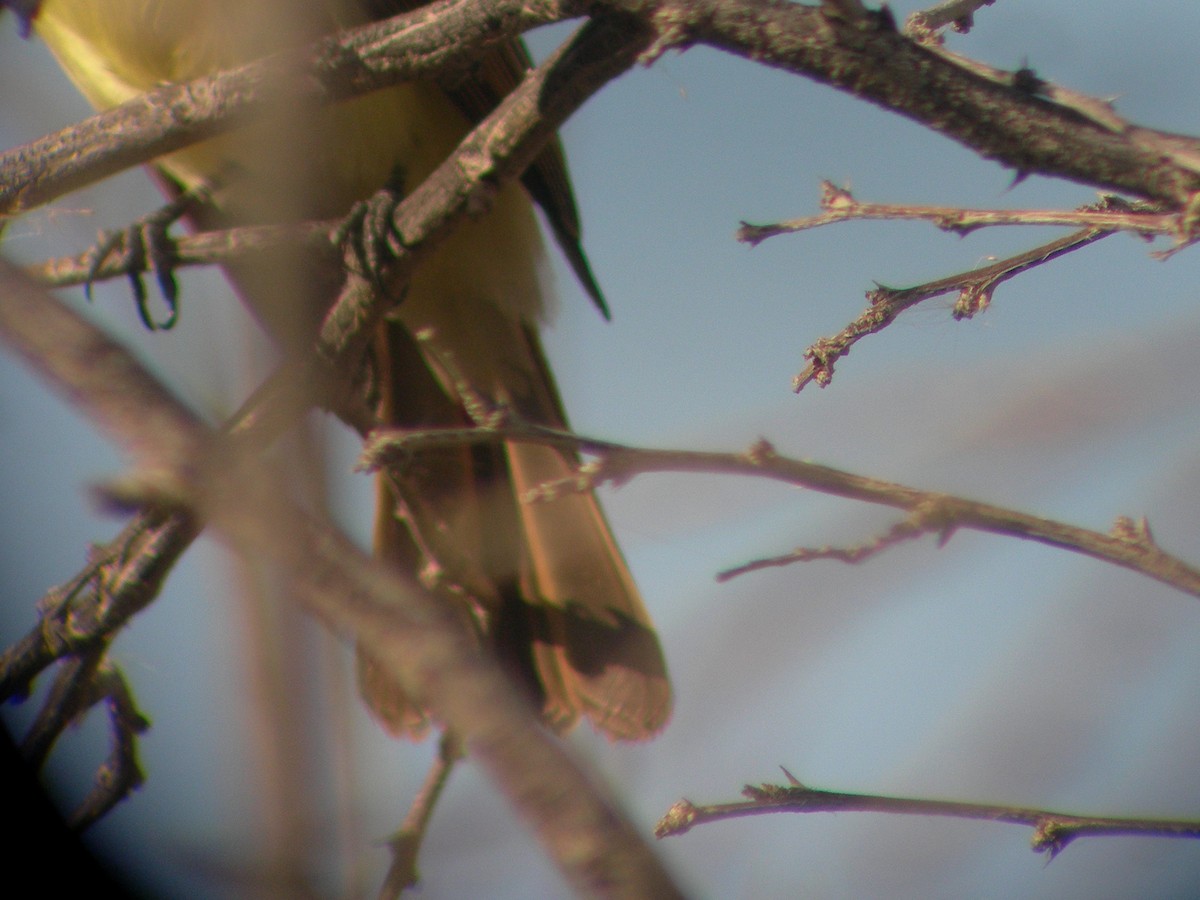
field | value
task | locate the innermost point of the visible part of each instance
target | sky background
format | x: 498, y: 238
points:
x: 987, y: 670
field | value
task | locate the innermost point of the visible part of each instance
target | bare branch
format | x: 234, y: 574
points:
x: 975, y: 289
x: 1052, y: 830
x: 120, y: 774
x: 908, y: 529
x: 1127, y: 545
x: 1008, y: 119
x: 120, y: 580
x: 1111, y: 214
x: 81, y: 683
x: 68, y: 700
x: 203, y: 249
x: 497, y: 150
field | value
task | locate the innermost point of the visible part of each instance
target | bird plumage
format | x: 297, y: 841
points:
x: 544, y: 582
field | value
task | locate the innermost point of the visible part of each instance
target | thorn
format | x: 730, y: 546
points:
x: 793, y: 780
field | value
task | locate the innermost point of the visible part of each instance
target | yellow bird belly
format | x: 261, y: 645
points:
x: 308, y: 163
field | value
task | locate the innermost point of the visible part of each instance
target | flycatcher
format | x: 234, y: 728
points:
x: 544, y: 583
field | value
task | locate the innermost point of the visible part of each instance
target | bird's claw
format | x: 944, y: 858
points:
x: 144, y: 246
x: 368, y: 237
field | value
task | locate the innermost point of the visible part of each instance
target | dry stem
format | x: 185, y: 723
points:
x: 975, y: 290
x: 1053, y: 831
x: 1129, y: 544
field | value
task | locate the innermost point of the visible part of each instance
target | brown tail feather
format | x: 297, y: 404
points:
x: 544, y: 583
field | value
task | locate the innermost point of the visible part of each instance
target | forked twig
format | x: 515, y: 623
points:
x: 975, y: 289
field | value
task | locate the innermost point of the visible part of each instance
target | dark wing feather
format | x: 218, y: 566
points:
x: 477, y: 94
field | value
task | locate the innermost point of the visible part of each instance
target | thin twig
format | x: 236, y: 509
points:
x: 1111, y: 214
x: 205, y: 248
x: 975, y: 289
x: 908, y: 529
x: 1129, y: 544
x: 69, y: 698
x: 1053, y: 831
x: 83, y: 682
x: 405, y: 844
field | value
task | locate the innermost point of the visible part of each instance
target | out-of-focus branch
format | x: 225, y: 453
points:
x: 405, y: 844
x: 1052, y: 830
x: 414, y: 638
x: 1129, y: 544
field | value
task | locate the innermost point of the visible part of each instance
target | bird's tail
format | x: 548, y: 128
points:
x: 543, y: 583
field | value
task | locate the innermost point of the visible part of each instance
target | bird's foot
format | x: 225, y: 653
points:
x: 145, y: 246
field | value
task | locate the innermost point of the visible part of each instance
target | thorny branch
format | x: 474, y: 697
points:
x: 1053, y: 831
x: 1014, y: 118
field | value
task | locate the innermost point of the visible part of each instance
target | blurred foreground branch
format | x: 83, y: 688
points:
x: 416, y: 639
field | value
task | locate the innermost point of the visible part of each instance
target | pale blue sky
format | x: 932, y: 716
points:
x: 986, y: 670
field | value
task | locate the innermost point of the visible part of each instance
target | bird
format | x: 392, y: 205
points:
x: 544, y: 585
